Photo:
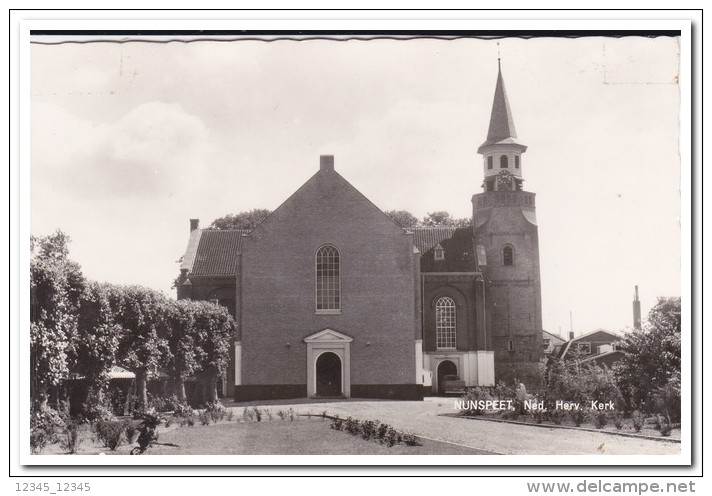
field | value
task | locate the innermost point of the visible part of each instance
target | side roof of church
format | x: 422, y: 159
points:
x: 214, y: 252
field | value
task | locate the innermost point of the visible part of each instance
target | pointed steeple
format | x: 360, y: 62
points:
x: 501, y: 126
x: 502, y: 152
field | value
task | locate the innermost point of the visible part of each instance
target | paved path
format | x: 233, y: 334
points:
x: 422, y: 418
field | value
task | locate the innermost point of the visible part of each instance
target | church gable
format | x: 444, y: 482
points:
x: 327, y: 199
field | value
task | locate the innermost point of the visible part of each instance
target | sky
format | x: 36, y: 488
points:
x: 129, y: 141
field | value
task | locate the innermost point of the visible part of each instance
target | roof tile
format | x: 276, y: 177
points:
x: 217, y: 252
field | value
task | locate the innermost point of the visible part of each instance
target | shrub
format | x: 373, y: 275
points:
x: 184, y: 414
x: 578, y: 417
x: 556, y: 416
x: 369, y: 429
x: 150, y: 419
x: 502, y: 391
x: 667, y: 399
x: 231, y: 414
x: 291, y: 414
x: 215, y: 410
x: 411, y: 440
x: 618, y: 421
x: 46, y: 425
x: 638, y: 421
x: 601, y: 420
x: 110, y: 433
x: 472, y: 398
x: 248, y: 414
x: 392, y: 437
x: 336, y: 423
x: 352, y: 426
x: 163, y: 403
x: 258, y: 414
x: 281, y: 414
x: 663, y: 424
x: 510, y: 414
x: 94, y: 410
x: 130, y: 431
x: 382, y: 431
x: 539, y: 415
x: 205, y: 418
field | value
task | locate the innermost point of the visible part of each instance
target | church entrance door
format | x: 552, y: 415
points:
x: 328, y: 375
x: 445, y: 368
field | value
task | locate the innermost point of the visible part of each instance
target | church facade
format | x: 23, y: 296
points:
x: 333, y: 299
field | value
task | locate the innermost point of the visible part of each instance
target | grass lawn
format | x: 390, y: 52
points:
x: 303, y: 436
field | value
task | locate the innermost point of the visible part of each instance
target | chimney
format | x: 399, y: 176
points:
x: 636, y: 310
x: 326, y: 162
x: 194, y: 224
x: 571, y: 335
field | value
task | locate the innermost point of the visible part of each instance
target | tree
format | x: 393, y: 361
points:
x: 214, y: 329
x: 98, y: 334
x: 143, y: 347
x: 184, y: 354
x: 439, y: 218
x: 244, y: 220
x: 443, y: 218
x: 652, y: 356
x: 403, y: 218
x: 56, y: 283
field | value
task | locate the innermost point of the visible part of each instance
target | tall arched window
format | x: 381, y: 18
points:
x: 507, y: 255
x: 328, y: 279
x: 445, y: 319
x: 503, y: 162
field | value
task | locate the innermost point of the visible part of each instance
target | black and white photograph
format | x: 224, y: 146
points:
x: 466, y: 244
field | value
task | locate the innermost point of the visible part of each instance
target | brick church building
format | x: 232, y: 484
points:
x: 333, y: 299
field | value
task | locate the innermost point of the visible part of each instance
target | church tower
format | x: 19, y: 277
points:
x: 507, y: 239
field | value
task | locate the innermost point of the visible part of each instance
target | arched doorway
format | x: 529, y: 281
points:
x: 445, y: 367
x: 328, y: 375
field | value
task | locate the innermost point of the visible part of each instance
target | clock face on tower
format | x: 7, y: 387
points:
x: 504, y: 180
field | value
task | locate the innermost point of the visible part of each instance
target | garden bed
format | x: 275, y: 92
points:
x: 303, y: 435
x: 647, y: 432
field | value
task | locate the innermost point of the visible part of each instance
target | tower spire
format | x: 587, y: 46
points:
x: 501, y: 150
x: 501, y: 126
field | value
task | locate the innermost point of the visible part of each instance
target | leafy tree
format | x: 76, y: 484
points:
x: 98, y: 334
x: 143, y: 347
x: 652, y: 356
x: 215, y: 328
x: 184, y: 354
x: 443, y: 218
x: 56, y: 283
x: 244, y: 220
x: 439, y: 218
x: 403, y: 218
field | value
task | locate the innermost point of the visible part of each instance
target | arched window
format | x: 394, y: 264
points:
x: 516, y: 161
x: 503, y: 162
x: 507, y: 255
x: 328, y: 279
x: 445, y: 319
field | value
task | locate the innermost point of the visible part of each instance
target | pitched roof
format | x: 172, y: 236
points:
x: 501, y: 126
x: 556, y: 336
x: 213, y: 252
x: 595, y: 336
x: 456, y: 242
